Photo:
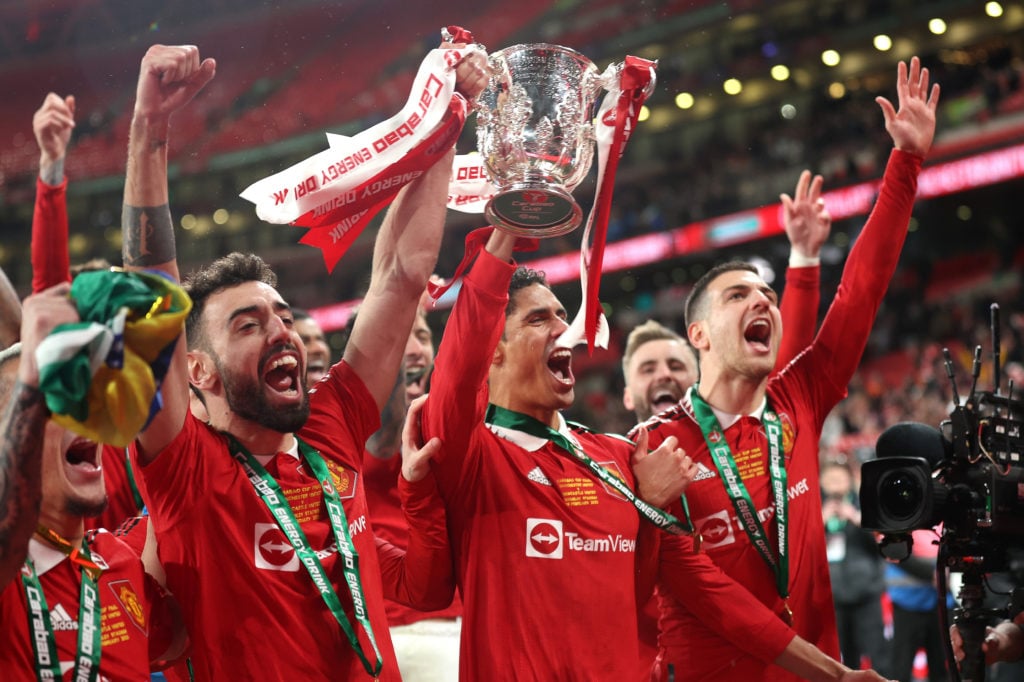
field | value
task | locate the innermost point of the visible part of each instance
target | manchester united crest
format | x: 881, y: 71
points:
x: 345, y: 481
x: 130, y: 603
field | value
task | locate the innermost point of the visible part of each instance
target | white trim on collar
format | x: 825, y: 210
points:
x: 293, y: 451
x: 44, y: 557
x: 726, y: 419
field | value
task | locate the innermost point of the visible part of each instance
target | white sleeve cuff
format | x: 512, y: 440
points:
x: 797, y: 260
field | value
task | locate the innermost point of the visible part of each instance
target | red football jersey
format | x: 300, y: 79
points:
x: 250, y: 606
x: 546, y: 553
x: 802, y: 395
x: 133, y: 611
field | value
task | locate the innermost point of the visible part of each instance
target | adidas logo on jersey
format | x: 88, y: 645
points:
x: 61, y: 619
x: 537, y: 476
x: 703, y: 472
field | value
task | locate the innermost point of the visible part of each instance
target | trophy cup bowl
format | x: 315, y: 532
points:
x: 535, y: 134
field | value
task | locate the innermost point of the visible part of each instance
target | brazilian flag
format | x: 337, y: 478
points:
x: 101, y: 376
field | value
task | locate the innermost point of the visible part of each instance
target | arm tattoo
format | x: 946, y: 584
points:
x: 148, y: 235
x: 21, y: 445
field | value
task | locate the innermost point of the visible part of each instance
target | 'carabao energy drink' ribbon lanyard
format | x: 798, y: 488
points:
x: 269, y: 490
x: 499, y: 416
x: 746, y: 512
x: 87, y: 658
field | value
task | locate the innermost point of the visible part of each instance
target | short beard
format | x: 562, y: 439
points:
x: 247, y: 399
x: 85, y: 509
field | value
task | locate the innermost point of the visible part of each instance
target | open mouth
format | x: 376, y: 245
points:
x: 415, y: 376
x: 665, y: 396
x: 282, y: 375
x: 759, y: 334
x: 83, y: 453
x: 560, y: 366
x: 316, y: 366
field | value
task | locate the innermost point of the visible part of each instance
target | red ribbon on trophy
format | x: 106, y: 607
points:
x: 615, y: 123
x: 338, y: 191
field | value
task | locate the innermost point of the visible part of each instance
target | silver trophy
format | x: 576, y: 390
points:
x: 535, y: 134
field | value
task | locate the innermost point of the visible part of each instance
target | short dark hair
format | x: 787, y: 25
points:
x: 696, y: 300
x: 230, y: 271
x: 523, y: 277
x: 300, y: 314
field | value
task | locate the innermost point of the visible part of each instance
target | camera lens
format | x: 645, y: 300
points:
x: 900, y: 494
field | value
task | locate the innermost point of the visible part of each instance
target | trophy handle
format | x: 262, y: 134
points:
x: 611, y: 75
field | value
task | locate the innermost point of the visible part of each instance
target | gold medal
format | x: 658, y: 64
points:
x: 787, y: 613
x: 698, y: 542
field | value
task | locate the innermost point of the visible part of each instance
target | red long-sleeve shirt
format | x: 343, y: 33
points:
x: 547, y: 555
x: 802, y: 395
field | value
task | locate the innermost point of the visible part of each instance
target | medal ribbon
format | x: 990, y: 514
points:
x: 87, y: 657
x: 499, y: 416
x: 140, y: 504
x: 270, y: 492
x: 746, y: 512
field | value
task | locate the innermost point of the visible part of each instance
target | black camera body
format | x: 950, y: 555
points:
x: 968, y: 477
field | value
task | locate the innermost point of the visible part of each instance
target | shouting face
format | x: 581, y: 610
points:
x: 258, y: 358
x: 530, y: 373
x: 658, y: 374
x: 739, y: 330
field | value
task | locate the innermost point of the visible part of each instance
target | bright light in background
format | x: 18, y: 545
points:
x: 780, y: 72
x: 78, y: 244
x: 732, y: 86
x: 113, y: 237
x: 645, y: 113
x: 788, y: 112
x: 964, y: 213
x: 937, y: 26
x: 993, y: 9
x: 684, y: 100
x: 220, y: 216
x: 764, y: 268
x: 836, y: 90
x: 830, y: 58
x: 882, y: 42
x: 188, y: 221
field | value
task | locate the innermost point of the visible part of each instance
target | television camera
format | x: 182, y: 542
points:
x: 967, y: 478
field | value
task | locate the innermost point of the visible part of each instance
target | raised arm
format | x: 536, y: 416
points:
x: 458, y: 391
x: 168, y: 79
x: 52, y: 125
x: 807, y: 223
x: 404, y: 255
x: 22, y: 427
x: 873, y: 258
